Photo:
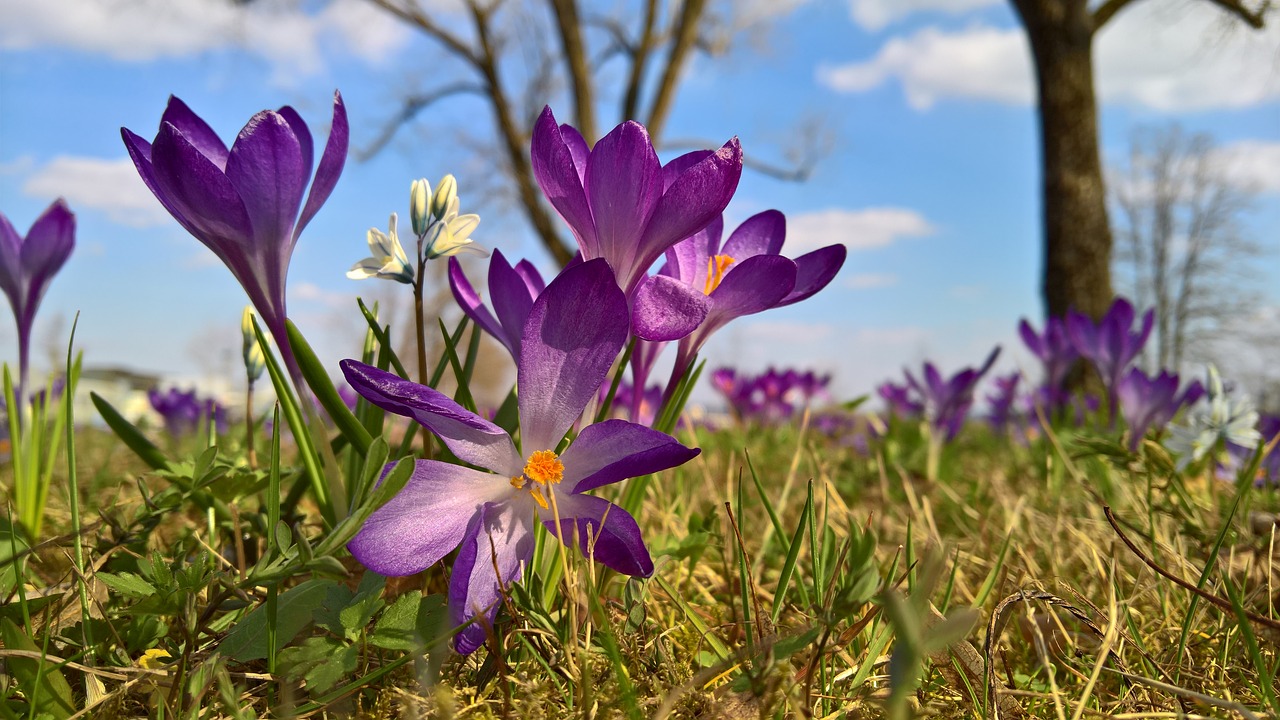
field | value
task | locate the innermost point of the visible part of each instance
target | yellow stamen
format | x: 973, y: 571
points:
x: 537, y: 496
x: 544, y: 467
x: 717, y: 265
x: 517, y: 482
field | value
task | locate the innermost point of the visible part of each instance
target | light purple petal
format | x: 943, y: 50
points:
x: 604, y: 532
x: 331, y: 163
x: 760, y: 234
x: 687, y: 259
x: 533, y: 278
x: 614, y: 450
x: 554, y: 169
x: 666, y: 309
x: 200, y: 192
x: 623, y: 184
x: 427, y: 519
x: 509, y: 293
x: 574, y: 332
x: 577, y: 148
x: 471, y: 304
x: 196, y: 131
x: 472, y: 438
x: 496, y: 546
x: 814, y: 271
x: 694, y: 199
x: 303, y: 135
x: 678, y: 165
x: 265, y: 166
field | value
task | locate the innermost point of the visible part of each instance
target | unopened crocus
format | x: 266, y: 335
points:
x: 27, y: 266
x: 246, y: 203
x: 1151, y: 402
x: 720, y: 283
x: 573, y: 333
x: 1111, y: 345
x: 512, y: 291
x: 947, y: 402
x: 619, y: 200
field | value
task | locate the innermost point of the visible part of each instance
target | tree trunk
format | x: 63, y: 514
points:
x: 1077, y: 234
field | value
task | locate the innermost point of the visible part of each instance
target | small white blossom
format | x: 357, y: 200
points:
x: 254, y: 362
x: 388, y: 260
x: 1220, y: 419
x: 420, y: 206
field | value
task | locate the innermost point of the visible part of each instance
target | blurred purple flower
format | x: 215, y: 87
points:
x: 1239, y: 455
x: 1151, y: 402
x: 771, y: 396
x: 1053, y: 348
x: 1110, y: 344
x: 573, y: 333
x: 512, y: 291
x: 243, y: 203
x: 1002, y: 401
x: 899, y: 399
x: 947, y: 402
x: 620, y: 202
x: 27, y: 266
x: 183, y: 410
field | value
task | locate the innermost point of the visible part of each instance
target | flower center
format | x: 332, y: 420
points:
x: 717, y: 265
x: 543, y: 468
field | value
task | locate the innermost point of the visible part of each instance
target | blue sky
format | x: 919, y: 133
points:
x: 930, y: 177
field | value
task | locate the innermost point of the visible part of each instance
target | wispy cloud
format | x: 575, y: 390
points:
x: 112, y: 186
x: 876, y: 14
x: 1150, y: 57
x: 1253, y: 164
x: 294, y: 41
x: 869, y: 281
x: 857, y: 229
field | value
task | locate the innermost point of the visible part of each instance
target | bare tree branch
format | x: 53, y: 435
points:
x: 639, y: 60
x: 412, y: 106
x: 575, y: 60
x: 686, y: 33
x: 413, y: 14
x: 1255, y: 19
x: 1106, y: 11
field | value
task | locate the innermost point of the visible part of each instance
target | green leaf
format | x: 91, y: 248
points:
x: 127, y: 583
x: 313, y: 372
x: 321, y: 661
x: 131, y: 436
x: 397, y: 629
x: 296, y: 609
x: 789, y: 646
x: 40, y: 680
x: 367, y: 602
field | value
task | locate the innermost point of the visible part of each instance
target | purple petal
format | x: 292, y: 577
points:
x: 1033, y: 341
x: 10, y: 260
x: 623, y: 184
x: 751, y: 286
x: 604, y: 531
x: 512, y: 301
x: 577, y: 148
x: 496, y: 546
x: 573, y: 334
x: 469, y: 436
x: 532, y: 278
x: 554, y: 169
x: 331, y: 163
x: 427, y: 519
x: 814, y: 271
x: 666, y: 309
x: 614, y: 450
x: 674, y: 169
x: 140, y: 152
x: 760, y: 234
x: 199, y: 192
x: 265, y: 166
x: 471, y: 304
x: 196, y: 131
x: 694, y: 199
x: 687, y: 259
x: 49, y: 243
x: 302, y: 133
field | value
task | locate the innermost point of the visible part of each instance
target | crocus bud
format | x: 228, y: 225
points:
x: 419, y: 206
x: 254, y: 362
x: 446, y: 195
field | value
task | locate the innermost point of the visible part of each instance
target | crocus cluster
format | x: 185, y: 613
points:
x: 27, y: 266
x: 770, y: 397
x: 945, y: 403
x: 183, y: 411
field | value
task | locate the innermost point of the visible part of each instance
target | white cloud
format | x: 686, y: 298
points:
x: 310, y: 292
x: 869, y: 281
x: 1148, y: 57
x: 280, y: 32
x: 20, y: 165
x: 857, y: 229
x: 112, y: 186
x: 876, y: 14
x: 1253, y: 164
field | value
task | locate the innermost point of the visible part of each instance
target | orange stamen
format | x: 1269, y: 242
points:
x: 544, y: 467
x: 717, y: 265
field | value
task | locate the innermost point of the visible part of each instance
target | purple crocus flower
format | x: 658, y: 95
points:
x: 899, y: 399
x: 27, y: 266
x: 718, y: 283
x: 1239, y: 455
x: 1110, y: 344
x: 947, y: 402
x: 1002, y: 401
x: 574, y: 332
x: 183, y: 410
x: 1053, y: 348
x: 512, y: 291
x: 1151, y: 402
x: 620, y: 202
x: 243, y: 203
